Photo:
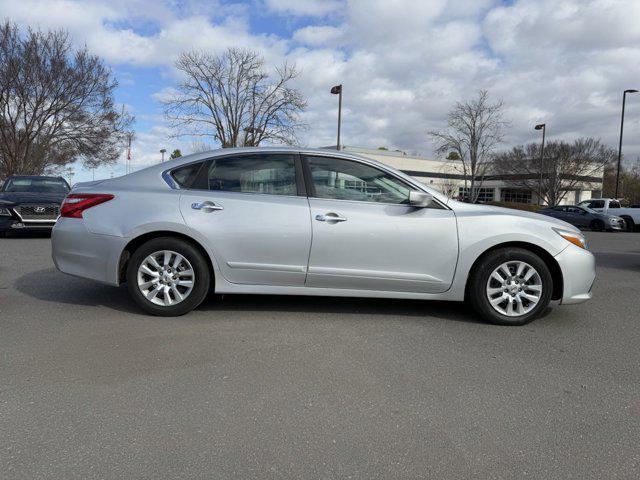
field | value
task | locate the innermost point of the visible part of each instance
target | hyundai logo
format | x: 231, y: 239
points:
x: 39, y: 209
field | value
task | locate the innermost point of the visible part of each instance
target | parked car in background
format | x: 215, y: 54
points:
x: 242, y: 221
x: 30, y: 202
x: 584, y: 217
x: 631, y: 216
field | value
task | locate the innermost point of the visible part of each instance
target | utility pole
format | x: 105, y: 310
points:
x: 128, y: 164
x: 624, y: 98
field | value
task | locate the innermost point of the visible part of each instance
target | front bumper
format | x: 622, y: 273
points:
x: 78, y: 252
x: 10, y: 224
x: 578, y: 273
x: 617, y: 224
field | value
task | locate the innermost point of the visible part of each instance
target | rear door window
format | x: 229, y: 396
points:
x: 269, y: 173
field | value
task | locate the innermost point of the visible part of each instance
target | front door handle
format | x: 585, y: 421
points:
x: 330, y: 217
x: 206, y: 206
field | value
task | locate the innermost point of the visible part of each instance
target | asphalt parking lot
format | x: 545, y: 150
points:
x: 275, y: 387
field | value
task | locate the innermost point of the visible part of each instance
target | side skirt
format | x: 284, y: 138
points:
x: 223, y: 287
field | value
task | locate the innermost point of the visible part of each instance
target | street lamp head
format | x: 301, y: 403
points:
x: 631, y: 90
x: 540, y: 126
x: 337, y: 89
x: 162, y: 150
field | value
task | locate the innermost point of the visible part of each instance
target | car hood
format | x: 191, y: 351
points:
x: 31, y: 197
x: 490, y: 209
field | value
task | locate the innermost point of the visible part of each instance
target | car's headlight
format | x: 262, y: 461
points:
x: 4, y: 212
x: 576, y: 238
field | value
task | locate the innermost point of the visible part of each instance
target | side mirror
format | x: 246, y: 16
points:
x: 420, y: 199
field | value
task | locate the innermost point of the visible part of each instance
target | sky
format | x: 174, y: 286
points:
x: 403, y: 63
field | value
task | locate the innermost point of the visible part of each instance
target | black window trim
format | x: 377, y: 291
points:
x: 304, y: 181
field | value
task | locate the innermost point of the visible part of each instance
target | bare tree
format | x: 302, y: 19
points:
x: 231, y: 97
x: 56, y: 105
x: 565, y: 166
x: 448, y: 187
x: 198, y: 146
x: 474, y: 129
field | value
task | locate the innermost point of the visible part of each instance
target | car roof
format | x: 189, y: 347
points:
x: 194, y: 157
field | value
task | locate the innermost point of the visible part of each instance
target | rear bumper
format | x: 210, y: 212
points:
x: 78, y: 252
x: 578, y: 273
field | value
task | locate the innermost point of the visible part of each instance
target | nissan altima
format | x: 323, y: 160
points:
x: 312, y: 222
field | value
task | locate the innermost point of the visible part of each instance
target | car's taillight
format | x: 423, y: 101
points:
x: 76, y: 203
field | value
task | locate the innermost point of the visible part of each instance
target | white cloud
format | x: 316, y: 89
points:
x: 312, y: 8
x: 318, y: 36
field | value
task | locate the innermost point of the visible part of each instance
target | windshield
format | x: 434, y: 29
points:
x: 584, y: 207
x: 38, y: 185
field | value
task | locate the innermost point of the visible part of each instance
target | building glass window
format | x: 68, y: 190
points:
x: 484, y: 194
x: 515, y: 195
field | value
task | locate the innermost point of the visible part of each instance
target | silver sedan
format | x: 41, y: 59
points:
x: 312, y: 222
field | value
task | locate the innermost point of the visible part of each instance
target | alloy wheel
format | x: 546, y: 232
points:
x: 514, y: 288
x: 165, y: 278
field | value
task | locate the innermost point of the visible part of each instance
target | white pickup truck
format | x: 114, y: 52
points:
x: 612, y: 206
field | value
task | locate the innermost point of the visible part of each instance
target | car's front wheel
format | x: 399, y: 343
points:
x: 168, y: 277
x: 510, y: 286
x: 597, y: 225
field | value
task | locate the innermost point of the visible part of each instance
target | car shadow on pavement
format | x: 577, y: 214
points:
x: 455, y: 311
x: 49, y: 285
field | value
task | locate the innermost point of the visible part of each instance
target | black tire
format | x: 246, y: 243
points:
x: 3, y: 234
x: 201, y: 283
x: 597, y: 225
x: 477, y: 294
x: 629, y: 224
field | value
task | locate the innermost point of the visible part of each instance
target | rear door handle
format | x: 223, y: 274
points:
x: 206, y: 206
x: 330, y: 217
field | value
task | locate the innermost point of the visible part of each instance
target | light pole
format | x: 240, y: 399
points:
x: 162, y: 150
x: 624, y: 98
x: 337, y: 90
x: 543, y: 127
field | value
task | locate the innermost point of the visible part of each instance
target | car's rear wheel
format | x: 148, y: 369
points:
x: 597, y: 225
x: 168, y: 277
x: 510, y: 286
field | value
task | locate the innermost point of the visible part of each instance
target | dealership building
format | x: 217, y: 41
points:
x: 446, y: 176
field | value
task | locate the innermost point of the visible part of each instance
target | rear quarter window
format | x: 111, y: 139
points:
x: 186, y: 176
